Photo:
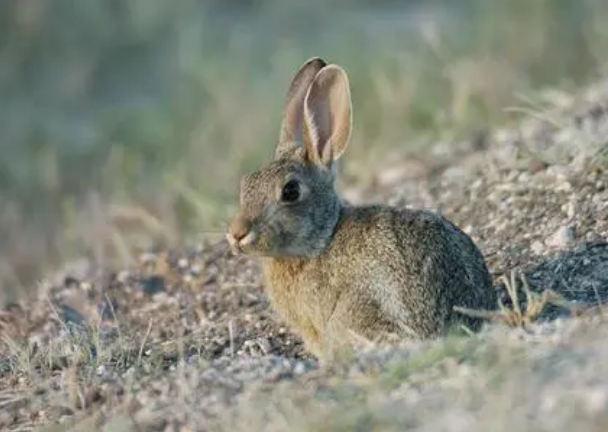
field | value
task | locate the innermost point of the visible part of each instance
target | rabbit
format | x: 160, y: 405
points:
x: 336, y: 273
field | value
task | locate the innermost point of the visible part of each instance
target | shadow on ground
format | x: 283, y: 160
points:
x: 579, y: 275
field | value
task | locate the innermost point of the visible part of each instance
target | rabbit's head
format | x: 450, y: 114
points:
x: 290, y: 207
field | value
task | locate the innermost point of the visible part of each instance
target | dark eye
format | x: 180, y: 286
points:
x: 291, y: 191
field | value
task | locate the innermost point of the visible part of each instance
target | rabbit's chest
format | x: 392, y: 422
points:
x: 299, y: 297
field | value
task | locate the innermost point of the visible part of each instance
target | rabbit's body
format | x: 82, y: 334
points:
x: 336, y: 273
x: 404, y: 285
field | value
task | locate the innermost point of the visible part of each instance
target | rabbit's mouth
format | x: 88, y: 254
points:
x: 254, y: 244
x: 241, y: 245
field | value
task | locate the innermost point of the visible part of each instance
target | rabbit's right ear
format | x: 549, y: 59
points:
x: 328, y: 116
x: 292, y: 123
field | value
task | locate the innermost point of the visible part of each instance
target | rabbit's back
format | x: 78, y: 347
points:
x: 416, y: 265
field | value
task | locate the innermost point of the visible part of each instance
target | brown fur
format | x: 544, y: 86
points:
x: 337, y: 273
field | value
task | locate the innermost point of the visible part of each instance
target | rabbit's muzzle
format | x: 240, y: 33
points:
x: 240, y: 235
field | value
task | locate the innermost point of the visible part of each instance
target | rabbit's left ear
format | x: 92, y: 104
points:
x: 327, y: 116
x: 291, y: 125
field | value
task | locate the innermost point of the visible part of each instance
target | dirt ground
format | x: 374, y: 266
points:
x: 186, y: 341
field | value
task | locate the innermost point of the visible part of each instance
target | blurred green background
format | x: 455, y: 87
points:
x: 125, y: 124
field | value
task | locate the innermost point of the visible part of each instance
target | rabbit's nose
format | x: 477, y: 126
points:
x: 239, y: 229
x: 239, y: 234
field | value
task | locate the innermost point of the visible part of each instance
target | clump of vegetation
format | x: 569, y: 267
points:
x: 516, y: 316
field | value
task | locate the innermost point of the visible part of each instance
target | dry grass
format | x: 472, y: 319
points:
x: 535, y: 303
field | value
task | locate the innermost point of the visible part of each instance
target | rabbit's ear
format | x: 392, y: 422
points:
x: 291, y: 127
x: 327, y: 116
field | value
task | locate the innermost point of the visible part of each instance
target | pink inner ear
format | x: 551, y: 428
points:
x: 323, y: 127
x: 326, y: 152
x: 327, y: 115
x: 319, y: 125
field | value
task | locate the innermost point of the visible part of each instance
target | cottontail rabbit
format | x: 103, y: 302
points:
x: 337, y: 273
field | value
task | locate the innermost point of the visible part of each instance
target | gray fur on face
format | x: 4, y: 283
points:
x: 300, y: 229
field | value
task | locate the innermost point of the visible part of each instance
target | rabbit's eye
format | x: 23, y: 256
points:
x: 291, y: 191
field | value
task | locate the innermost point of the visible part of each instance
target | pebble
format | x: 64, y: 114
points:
x: 122, y: 276
x: 524, y: 177
x: 153, y: 285
x: 537, y: 247
x: 562, y: 238
x: 560, y: 172
x: 570, y: 209
x: 70, y: 315
x: 477, y: 184
x: 147, y: 258
x: 196, y: 269
x: 299, y: 368
x: 101, y: 371
x: 264, y: 345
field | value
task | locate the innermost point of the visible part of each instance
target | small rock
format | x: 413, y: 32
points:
x: 101, y: 371
x: 153, y: 285
x: 562, y: 238
x: 564, y: 186
x: 537, y: 247
x: 196, y: 269
x: 477, y: 184
x: 580, y: 162
x: 560, y: 172
x: 524, y: 177
x: 570, y: 209
x: 147, y: 258
x: 122, y: 276
x: 264, y: 345
x: 70, y: 281
x: 299, y: 368
x: 70, y: 315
